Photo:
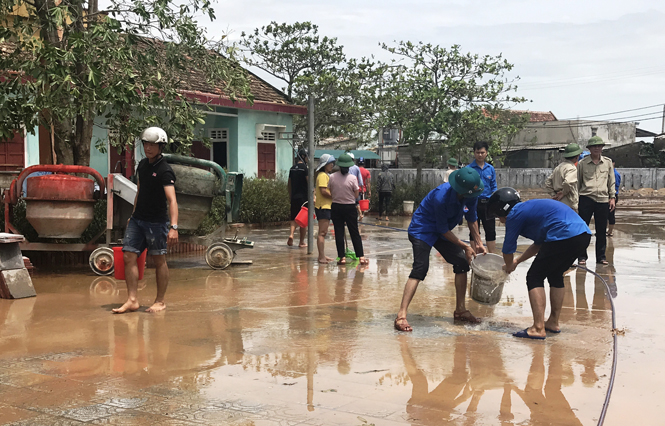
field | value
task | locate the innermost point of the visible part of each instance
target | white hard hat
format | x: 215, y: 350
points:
x: 351, y: 155
x: 154, y: 135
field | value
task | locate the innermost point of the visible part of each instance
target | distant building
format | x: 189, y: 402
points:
x: 538, y: 145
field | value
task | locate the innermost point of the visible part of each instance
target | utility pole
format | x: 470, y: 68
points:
x: 662, y: 129
x: 310, y: 186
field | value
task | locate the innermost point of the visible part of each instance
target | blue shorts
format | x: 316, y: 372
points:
x: 141, y: 235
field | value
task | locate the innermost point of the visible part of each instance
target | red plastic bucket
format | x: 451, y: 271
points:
x: 119, y: 263
x: 364, y: 205
x: 302, y: 217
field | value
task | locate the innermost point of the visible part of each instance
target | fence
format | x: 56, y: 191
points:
x: 532, y: 178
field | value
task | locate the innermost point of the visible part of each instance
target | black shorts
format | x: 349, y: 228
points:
x: 296, y: 205
x: 452, y: 253
x: 323, y: 214
x: 553, y: 259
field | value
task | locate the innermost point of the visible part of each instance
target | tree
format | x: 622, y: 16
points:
x: 434, y: 93
x: 309, y: 64
x: 67, y: 65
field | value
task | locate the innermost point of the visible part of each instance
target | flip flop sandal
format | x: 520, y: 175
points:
x: 523, y: 334
x: 402, y: 327
x: 602, y: 262
x: 581, y: 262
x: 459, y: 316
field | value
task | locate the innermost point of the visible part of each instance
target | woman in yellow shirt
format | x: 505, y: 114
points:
x: 323, y: 202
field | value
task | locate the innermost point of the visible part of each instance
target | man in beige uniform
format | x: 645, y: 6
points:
x: 562, y: 183
x: 595, y: 175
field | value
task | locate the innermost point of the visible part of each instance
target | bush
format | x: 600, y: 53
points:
x: 264, y: 201
x: 402, y: 192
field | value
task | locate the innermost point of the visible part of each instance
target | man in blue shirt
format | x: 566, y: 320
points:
x: 611, y: 218
x: 488, y: 177
x: 558, y: 234
x: 431, y: 226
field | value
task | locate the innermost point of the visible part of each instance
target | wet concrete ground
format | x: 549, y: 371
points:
x: 287, y: 341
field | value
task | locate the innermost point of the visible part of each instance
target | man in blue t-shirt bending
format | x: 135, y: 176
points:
x: 558, y: 234
x: 431, y: 226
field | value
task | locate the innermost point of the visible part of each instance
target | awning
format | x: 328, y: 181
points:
x: 357, y: 153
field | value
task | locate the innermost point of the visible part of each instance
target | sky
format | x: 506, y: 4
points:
x: 574, y: 58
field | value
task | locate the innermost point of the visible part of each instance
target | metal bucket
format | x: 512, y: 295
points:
x: 487, y: 279
x: 59, y: 206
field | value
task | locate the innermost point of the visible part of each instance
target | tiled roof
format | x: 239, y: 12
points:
x: 195, y: 83
x: 537, y: 116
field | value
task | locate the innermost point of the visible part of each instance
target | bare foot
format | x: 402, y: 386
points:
x: 364, y: 261
x: 552, y: 327
x: 289, y: 242
x: 129, y: 306
x: 156, y: 307
x: 302, y: 244
x: 387, y: 220
x: 324, y: 260
x: 329, y: 259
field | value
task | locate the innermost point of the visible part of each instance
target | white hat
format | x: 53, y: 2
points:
x: 351, y: 155
x: 154, y: 135
x: 325, y: 160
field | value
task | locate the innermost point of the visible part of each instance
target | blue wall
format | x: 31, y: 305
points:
x: 32, y: 149
x: 243, y: 153
x: 247, y: 156
x: 98, y: 160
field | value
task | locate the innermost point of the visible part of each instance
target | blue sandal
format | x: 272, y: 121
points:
x: 523, y: 334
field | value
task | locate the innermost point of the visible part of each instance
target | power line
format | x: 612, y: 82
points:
x: 616, y: 112
x: 591, y: 123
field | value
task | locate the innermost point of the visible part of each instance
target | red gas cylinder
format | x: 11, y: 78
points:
x: 59, y: 206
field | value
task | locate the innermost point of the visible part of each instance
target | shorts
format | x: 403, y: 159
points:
x: 452, y: 253
x: 296, y: 205
x: 553, y: 260
x: 323, y: 214
x: 141, y: 235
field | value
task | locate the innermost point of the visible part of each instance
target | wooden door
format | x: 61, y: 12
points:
x: 266, y: 156
x: 12, y: 153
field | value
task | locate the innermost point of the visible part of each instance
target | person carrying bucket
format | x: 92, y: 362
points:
x: 323, y: 203
x: 559, y: 235
x: 149, y: 227
x: 366, y: 187
x: 431, y: 226
x: 343, y: 187
x: 355, y: 171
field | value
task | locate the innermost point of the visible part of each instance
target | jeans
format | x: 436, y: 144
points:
x: 141, y: 235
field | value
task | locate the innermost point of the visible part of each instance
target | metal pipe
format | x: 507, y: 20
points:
x: 310, y: 186
x: 192, y: 161
x: 55, y: 168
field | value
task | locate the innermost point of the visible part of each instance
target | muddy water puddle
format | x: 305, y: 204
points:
x: 289, y: 341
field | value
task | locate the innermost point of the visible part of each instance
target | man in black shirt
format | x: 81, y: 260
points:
x: 148, y: 228
x: 298, y: 184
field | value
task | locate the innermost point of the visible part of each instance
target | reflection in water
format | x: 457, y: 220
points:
x: 545, y: 399
x: 474, y: 373
x: 469, y: 379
